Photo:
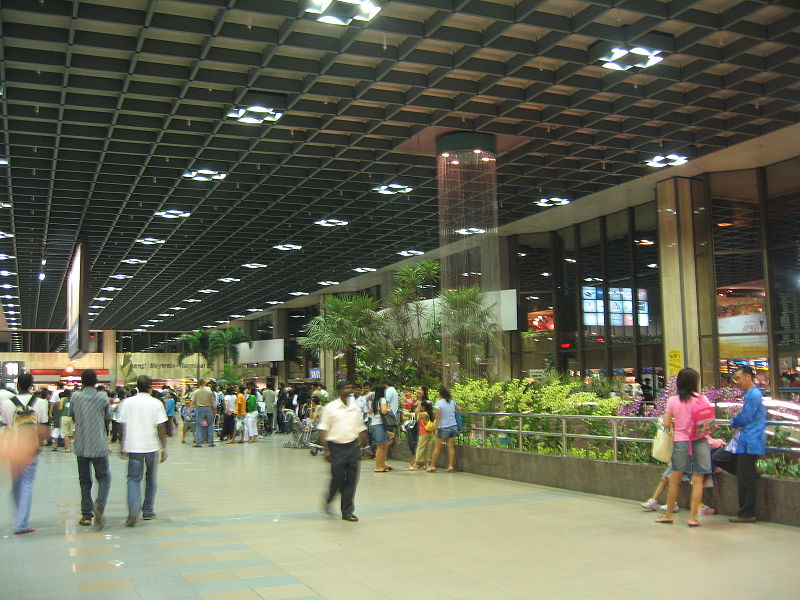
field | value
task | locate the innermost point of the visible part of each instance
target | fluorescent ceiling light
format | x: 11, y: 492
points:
x: 521, y: 254
x: 255, y: 114
x: 4, y: 256
x: 342, y: 12
x: 120, y: 276
x: 192, y: 300
x: 471, y: 273
x: 110, y: 288
x: 3, y: 160
x: 548, y: 202
x: 102, y: 299
x: 274, y: 302
x: 670, y: 160
x: 154, y: 320
x: 392, y: 189
x: 177, y: 308
x: 570, y: 260
x: 228, y: 279
x: 208, y: 291
x: 7, y: 286
x: 411, y: 253
x: 10, y: 297
x: 146, y: 325
x: 172, y: 213
x: 328, y: 282
x: 5, y: 204
x: 237, y: 316
x: 97, y: 306
x: 221, y: 321
x: 622, y: 59
x: 470, y: 230
x: 165, y: 315
x: 254, y: 265
x: 331, y: 223
x: 7, y: 273
x: 149, y: 241
x: 133, y: 261
x: 204, y: 175
x: 298, y: 293
x: 286, y: 247
x: 364, y: 270
x: 4, y: 235
x: 255, y: 309
x: 209, y: 326
x: 644, y: 242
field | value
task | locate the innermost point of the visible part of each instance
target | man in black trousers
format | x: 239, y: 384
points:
x: 342, y: 431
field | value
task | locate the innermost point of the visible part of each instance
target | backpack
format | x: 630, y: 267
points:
x: 24, y: 414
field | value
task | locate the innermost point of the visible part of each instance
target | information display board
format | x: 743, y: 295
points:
x: 77, y: 303
x: 620, y: 306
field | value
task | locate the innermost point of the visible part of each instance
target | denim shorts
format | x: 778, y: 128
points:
x: 699, y: 463
x: 445, y: 433
x: 379, y: 435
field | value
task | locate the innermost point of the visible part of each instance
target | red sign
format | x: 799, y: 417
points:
x: 64, y: 372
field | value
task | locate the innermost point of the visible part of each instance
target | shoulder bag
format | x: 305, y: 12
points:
x: 662, y: 445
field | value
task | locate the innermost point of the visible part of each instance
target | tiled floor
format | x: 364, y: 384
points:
x: 243, y: 522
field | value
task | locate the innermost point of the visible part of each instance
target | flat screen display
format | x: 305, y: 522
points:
x: 620, y: 306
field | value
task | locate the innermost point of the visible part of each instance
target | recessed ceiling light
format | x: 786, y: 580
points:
x: 392, y: 189
x: 545, y: 274
x: 331, y: 223
x: 4, y: 235
x: 102, y: 299
x: 97, y: 306
x: 254, y: 265
x: 622, y: 59
x: 110, y: 288
x: 172, y: 214
x: 3, y: 160
x: 15, y: 312
x: 644, y: 242
x: 547, y: 202
x: 470, y: 230
x: 255, y: 310
x: 724, y: 224
x: 471, y: 273
x: 221, y: 322
x: 120, y: 276
x: 165, y: 315
x: 237, y: 316
x: 364, y: 270
x: 9, y: 297
x: 208, y: 291
x: 146, y: 325
x: 653, y: 265
x: 204, y: 175
x: 228, y: 279
x: 286, y: 247
x: 342, y: 12
x: 670, y: 160
x: 192, y: 300
x: 133, y: 261
x: 411, y: 253
x: 177, y: 308
x: 255, y: 114
x: 298, y: 293
x: 273, y: 302
x: 328, y: 282
x: 4, y: 256
x: 149, y: 241
x: 7, y: 273
x: 5, y: 204
x: 155, y: 320
x: 521, y: 254
x: 7, y: 286
x: 570, y: 260
x: 208, y: 326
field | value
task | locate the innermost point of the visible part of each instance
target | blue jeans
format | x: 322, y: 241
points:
x: 204, y: 412
x: 22, y: 491
x: 103, y: 475
x: 136, y: 467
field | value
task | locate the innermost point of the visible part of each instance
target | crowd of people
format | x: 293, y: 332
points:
x: 362, y: 421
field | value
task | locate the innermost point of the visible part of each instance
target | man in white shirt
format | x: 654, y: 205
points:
x: 342, y: 431
x: 22, y: 489
x: 143, y: 421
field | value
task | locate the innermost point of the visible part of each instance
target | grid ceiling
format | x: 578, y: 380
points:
x: 106, y: 104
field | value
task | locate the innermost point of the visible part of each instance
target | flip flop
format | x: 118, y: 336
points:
x: 382, y: 470
x: 694, y: 524
x: 665, y: 521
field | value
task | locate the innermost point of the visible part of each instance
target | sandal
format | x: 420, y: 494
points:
x: 665, y: 521
x: 85, y: 522
x: 412, y: 469
x: 386, y: 470
x: 695, y: 524
x: 451, y: 470
x: 432, y: 470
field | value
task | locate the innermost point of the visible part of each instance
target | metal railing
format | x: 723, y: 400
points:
x: 565, y: 434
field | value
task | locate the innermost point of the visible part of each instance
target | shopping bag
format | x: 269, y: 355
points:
x: 662, y: 445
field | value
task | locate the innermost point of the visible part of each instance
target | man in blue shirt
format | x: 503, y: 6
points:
x: 748, y: 443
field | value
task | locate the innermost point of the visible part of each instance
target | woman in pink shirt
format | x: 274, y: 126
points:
x: 690, y: 452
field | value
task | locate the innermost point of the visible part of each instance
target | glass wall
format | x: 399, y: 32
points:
x: 590, y: 298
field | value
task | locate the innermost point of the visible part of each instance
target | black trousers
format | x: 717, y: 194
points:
x: 412, y: 434
x: 744, y: 467
x: 228, y: 424
x: 345, y: 465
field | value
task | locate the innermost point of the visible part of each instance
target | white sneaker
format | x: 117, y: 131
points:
x: 706, y: 510
x: 651, y: 504
x: 663, y: 508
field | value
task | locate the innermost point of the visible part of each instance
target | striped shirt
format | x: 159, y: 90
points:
x: 90, y: 409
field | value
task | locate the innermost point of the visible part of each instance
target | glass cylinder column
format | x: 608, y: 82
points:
x: 470, y: 250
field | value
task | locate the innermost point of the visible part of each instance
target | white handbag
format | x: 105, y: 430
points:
x: 662, y: 445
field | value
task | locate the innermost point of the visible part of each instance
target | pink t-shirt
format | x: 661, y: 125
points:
x: 682, y: 416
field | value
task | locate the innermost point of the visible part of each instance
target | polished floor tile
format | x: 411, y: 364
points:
x: 244, y: 523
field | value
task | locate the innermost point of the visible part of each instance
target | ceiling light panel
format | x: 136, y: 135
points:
x: 392, y: 189
x: 287, y: 247
x: 172, y: 214
x: 205, y: 175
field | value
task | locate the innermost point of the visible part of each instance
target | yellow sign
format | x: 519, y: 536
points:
x: 674, y: 362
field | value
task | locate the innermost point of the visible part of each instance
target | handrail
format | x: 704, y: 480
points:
x: 615, y: 438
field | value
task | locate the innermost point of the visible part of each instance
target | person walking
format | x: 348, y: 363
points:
x: 23, y: 412
x: 143, y: 433
x: 251, y: 417
x: 380, y: 435
x: 270, y: 399
x: 447, y: 430
x: 91, y: 412
x: 188, y: 416
x: 748, y: 443
x: 203, y: 400
x: 341, y: 434
x: 690, y: 451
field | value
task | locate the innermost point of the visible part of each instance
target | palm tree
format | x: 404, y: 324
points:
x: 195, y: 342
x: 345, y: 322
x: 225, y: 342
x: 468, y: 327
